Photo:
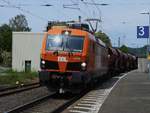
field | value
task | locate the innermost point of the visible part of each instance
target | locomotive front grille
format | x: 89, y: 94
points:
x: 50, y: 65
x: 74, y: 66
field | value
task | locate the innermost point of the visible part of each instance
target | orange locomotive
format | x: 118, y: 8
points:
x: 72, y: 58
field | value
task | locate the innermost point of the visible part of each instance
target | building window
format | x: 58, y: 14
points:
x: 27, y: 65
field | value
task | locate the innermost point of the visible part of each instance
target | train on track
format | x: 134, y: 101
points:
x: 72, y: 58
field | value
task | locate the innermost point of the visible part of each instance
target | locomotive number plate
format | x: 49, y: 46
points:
x: 62, y: 59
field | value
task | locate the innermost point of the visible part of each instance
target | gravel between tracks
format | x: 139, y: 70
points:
x: 46, y: 106
x: 4, y: 86
x: 51, y: 104
x: 14, y: 100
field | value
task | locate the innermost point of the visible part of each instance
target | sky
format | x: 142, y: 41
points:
x: 120, y: 18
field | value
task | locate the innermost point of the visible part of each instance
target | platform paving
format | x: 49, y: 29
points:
x: 130, y: 95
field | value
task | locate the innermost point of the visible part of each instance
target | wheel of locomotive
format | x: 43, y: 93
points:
x: 109, y: 75
x: 83, y: 85
x: 114, y: 72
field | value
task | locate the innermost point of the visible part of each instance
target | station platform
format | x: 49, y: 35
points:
x: 130, y: 95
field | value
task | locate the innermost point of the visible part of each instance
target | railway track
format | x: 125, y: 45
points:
x: 68, y: 103
x: 29, y: 104
x: 53, y: 103
x: 13, y: 90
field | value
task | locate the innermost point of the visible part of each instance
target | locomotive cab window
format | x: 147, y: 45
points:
x: 65, y: 43
x: 54, y: 42
x: 74, y: 43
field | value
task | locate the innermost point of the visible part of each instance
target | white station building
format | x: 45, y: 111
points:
x: 26, y: 48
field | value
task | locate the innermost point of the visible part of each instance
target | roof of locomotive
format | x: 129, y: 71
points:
x: 69, y: 24
x: 61, y: 30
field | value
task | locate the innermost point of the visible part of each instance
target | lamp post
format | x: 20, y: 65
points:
x: 148, y: 40
x: 124, y: 34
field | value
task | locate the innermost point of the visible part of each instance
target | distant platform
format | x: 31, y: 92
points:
x: 130, y: 95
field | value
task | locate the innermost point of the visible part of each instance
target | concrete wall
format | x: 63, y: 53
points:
x: 142, y: 65
x: 26, y: 46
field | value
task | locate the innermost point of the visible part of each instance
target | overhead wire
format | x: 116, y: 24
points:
x: 84, y: 13
x: 96, y: 5
x: 73, y: 1
x: 5, y: 6
x: 80, y: 10
x: 97, y: 9
x: 28, y: 12
x: 70, y: 6
x: 89, y: 3
x: 23, y: 10
x: 86, y: 6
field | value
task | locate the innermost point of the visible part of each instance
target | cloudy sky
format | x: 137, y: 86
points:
x: 119, y: 18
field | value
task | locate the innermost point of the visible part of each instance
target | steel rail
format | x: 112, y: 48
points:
x: 19, y: 86
x: 13, y: 90
x: 30, y: 104
x: 69, y: 102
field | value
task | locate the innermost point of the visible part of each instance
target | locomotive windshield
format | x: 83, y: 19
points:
x: 54, y: 43
x: 64, y: 43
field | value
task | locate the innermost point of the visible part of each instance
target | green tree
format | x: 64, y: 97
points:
x: 104, y: 38
x: 124, y: 49
x: 5, y: 38
x: 19, y: 23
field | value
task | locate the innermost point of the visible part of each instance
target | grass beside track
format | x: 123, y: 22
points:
x: 13, y: 78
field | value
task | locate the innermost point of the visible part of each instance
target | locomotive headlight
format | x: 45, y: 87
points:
x: 43, y: 62
x: 66, y: 33
x: 83, y: 64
